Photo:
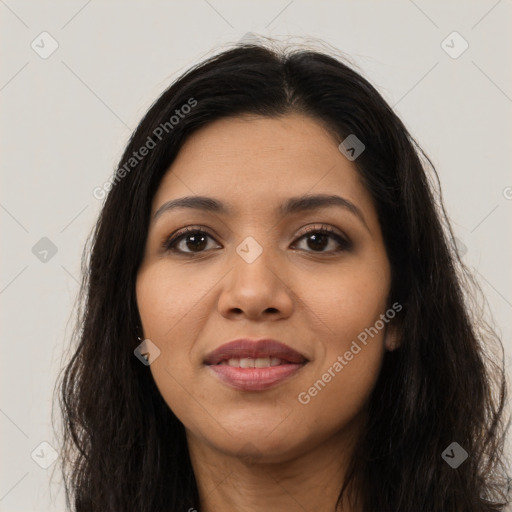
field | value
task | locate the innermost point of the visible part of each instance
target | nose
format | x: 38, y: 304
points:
x: 257, y: 291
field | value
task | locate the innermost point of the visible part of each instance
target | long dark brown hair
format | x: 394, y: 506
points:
x: 123, y: 449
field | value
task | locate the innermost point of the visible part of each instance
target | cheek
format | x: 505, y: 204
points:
x: 169, y: 303
x: 336, y: 400
x: 166, y: 298
x: 350, y: 341
x: 347, y: 301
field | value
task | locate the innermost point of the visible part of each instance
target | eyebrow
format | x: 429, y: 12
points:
x: 290, y: 206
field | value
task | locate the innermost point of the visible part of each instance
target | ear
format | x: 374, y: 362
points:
x: 393, y: 336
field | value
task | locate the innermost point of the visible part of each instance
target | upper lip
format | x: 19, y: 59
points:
x: 244, y: 347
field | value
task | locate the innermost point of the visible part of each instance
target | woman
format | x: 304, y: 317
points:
x: 273, y: 315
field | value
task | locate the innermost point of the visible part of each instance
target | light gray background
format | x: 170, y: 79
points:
x: 66, y: 119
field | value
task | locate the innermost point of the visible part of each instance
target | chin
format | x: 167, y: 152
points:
x: 261, y: 441
x: 262, y: 450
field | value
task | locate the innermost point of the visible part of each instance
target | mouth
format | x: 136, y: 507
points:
x: 250, y: 365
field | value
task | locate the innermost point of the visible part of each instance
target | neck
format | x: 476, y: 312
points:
x: 309, y: 481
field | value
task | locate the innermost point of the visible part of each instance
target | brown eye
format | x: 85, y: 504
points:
x: 188, y: 241
x: 195, y: 241
x: 318, y: 240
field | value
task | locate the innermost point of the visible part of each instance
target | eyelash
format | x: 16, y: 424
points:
x: 171, y: 241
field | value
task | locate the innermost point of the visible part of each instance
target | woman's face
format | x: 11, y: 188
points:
x: 259, y: 270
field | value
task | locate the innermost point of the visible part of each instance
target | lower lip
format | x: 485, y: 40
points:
x: 255, y: 379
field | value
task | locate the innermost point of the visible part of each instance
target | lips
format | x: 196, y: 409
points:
x: 250, y: 365
x: 260, y: 349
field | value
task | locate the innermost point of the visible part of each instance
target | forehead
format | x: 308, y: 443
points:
x: 252, y: 161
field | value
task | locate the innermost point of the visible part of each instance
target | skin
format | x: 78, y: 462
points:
x: 265, y: 450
